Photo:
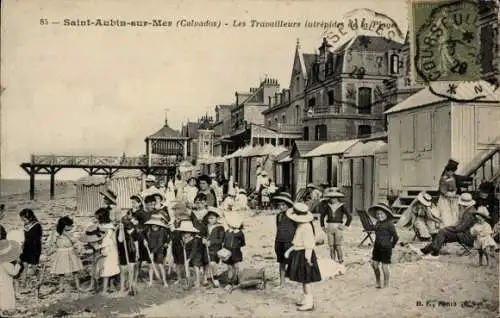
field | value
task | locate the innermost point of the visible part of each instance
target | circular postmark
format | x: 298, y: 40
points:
x: 448, y: 49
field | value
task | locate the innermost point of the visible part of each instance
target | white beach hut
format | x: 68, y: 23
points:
x: 88, y: 199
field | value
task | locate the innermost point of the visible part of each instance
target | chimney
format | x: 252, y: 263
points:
x: 237, y: 98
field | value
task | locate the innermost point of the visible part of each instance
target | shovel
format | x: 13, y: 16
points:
x: 186, y: 266
x: 132, y: 285
x: 152, y: 262
x: 215, y: 282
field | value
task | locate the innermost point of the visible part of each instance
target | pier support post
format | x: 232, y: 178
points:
x: 32, y: 182
x: 52, y: 182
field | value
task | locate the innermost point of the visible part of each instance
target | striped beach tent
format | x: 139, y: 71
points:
x: 88, y: 199
x: 126, y: 183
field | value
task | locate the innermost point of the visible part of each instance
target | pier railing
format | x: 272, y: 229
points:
x: 102, y: 161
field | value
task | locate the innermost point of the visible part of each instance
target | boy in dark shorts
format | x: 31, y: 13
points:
x: 386, y: 239
x: 285, y: 230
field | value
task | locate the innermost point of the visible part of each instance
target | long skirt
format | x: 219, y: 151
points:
x: 448, y: 207
x: 298, y: 270
x: 65, y: 261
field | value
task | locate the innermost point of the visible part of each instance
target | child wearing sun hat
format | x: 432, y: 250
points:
x: 213, y: 237
x: 192, y: 248
x: 482, y: 233
x: 386, y: 239
x: 234, y: 240
x: 158, y: 238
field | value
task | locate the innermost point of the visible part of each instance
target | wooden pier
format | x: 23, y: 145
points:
x: 95, y: 165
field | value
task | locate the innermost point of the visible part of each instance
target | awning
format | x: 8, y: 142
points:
x: 364, y: 149
x: 331, y: 148
x: 245, y: 151
x: 286, y: 159
x: 255, y: 151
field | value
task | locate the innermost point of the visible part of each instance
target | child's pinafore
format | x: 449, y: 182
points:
x: 8, y: 295
x: 109, y: 251
x: 483, y: 238
x: 65, y: 260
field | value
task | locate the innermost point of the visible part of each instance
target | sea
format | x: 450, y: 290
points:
x: 21, y: 187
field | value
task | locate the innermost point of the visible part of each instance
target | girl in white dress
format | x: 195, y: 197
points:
x: 9, y: 251
x: 109, y: 265
x: 482, y: 232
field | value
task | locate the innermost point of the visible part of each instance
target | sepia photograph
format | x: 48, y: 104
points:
x: 249, y: 158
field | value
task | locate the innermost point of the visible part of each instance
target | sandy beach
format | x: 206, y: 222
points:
x: 453, y: 286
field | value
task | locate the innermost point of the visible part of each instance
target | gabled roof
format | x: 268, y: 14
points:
x: 465, y: 91
x: 365, y: 149
x: 167, y: 133
x: 304, y: 146
x: 331, y: 148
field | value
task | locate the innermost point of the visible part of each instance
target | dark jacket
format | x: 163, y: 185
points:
x: 466, y: 221
x: 336, y: 216
x: 385, y: 234
x: 285, y: 228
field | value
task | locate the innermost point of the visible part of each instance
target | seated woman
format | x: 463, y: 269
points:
x: 426, y: 220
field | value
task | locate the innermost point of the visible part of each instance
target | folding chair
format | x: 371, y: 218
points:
x: 368, y: 226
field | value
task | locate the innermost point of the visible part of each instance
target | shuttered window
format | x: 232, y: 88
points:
x: 364, y: 100
x: 424, y: 131
x: 306, y: 133
x: 345, y: 173
x: 407, y: 134
x: 320, y: 132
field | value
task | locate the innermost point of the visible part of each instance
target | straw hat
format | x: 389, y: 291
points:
x: 150, y: 178
x: 284, y: 197
x: 312, y: 185
x: 333, y: 194
x: 92, y: 234
x: 466, y: 200
x: 424, y: 198
x: 234, y: 220
x: 187, y: 226
x: 109, y: 194
x: 156, y: 219
x: 384, y: 208
x: 300, y: 213
x: 483, y: 212
x: 9, y: 251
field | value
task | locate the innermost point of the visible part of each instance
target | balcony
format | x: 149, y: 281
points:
x: 286, y: 128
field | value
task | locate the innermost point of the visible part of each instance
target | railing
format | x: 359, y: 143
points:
x: 103, y: 161
x: 488, y: 169
x: 330, y: 109
x: 287, y: 128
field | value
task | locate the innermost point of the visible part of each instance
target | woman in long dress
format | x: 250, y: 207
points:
x: 448, y: 200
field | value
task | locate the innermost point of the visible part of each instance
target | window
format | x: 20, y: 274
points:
x: 364, y: 131
x: 297, y: 114
x: 269, y: 123
x: 311, y: 102
x: 306, y: 133
x: 276, y: 118
x: 320, y: 132
x: 297, y: 83
x: 309, y: 171
x: 394, y: 64
x: 283, y: 119
x: 364, y: 100
x: 330, y: 97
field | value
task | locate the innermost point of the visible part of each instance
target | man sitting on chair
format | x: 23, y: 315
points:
x: 460, y: 232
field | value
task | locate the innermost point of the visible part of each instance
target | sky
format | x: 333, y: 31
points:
x: 102, y: 90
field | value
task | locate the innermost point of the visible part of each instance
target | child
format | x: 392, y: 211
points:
x: 157, y: 240
x: 32, y: 246
x: 303, y: 265
x: 9, y: 252
x: 109, y: 251
x: 212, y: 240
x: 181, y: 213
x: 482, y: 232
x: 386, y: 239
x: 190, y: 190
x: 199, y: 211
x: 285, y: 230
x: 234, y: 240
x: 65, y: 260
x: 192, y: 249
x: 127, y: 239
x: 93, y: 237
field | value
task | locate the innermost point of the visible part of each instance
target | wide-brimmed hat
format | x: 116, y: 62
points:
x: 333, y: 194
x: 312, y: 185
x: 9, y: 251
x: 300, y: 213
x: 187, y: 226
x: 212, y: 210
x: 92, y: 234
x: 263, y: 173
x: 284, y: 197
x: 466, y: 200
x: 242, y: 191
x: 138, y: 198
x: 234, y: 219
x: 156, y: 219
x: 109, y: 194
x: 424, y: 198
x: 483, y: 212
x: 384, y: 208
x: 150, y: 178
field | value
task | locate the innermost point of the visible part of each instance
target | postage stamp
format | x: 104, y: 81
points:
x: 446, y: 41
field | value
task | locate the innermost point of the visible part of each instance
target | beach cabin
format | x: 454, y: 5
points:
x: 301, y: 167
x: 426, y: 130
x: 283, y: 170
x: 381, y: 175
x: 254, y: 157
x: 244, y: 171
x: 124, y: 184
x: 363, y: 184
x: 88, y: 199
